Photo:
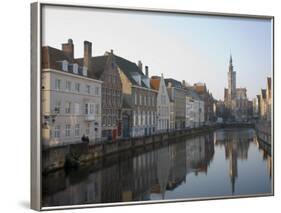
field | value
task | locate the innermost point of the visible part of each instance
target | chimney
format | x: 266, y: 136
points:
x: 183, y: 83
x: 140, y: 65
x: 146, y: 71
x: 87, y: 54
x: 169, y: 84
x: 68, y: 49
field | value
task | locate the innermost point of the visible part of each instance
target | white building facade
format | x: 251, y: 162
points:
x: 163, y: 104
x: 194, y: 111
x: 71, y: 105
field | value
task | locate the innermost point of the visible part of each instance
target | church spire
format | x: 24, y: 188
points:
x: 230, y: 63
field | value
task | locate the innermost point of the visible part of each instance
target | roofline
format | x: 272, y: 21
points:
x: 48, y: 46
x: 70, y: 74
x: 144, y: 88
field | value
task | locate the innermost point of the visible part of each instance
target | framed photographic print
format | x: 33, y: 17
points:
x: 141, y: 106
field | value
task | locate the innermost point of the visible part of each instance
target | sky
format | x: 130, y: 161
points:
x: 194, y: 48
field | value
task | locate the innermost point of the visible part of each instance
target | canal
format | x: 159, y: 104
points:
x: 221, y: 163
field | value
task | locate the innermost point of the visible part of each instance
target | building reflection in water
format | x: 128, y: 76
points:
x: 155, y: 172
x: 265, y: 153
x: 236, y: 144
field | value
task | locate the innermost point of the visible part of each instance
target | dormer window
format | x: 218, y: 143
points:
x: 70, y: 67
x: 65, y: 65
x: 137, y: 78
x: 75, y: 68
x: 85, y: 71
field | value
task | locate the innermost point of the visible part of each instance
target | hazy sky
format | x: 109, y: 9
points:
x: 189, y: 47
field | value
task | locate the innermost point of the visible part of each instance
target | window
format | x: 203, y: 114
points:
x: 109, y: 120
x: 134, y: 121
x: 140, y: 99
x: 113, y: 121
x: 109, y: 97
x: 75, y: 68
x: 118, y: 98
x: 76, y: 109
x: 57, y: 107
x: 88, y: 89
x: 68, y: 85
x: 97, y: 91
x: 77, y: 87
x: 85, y: 71
x: 64, y: 65
x: 103, y: 120
x: 57, y: 84
x: 145, y: 117
x: 86, y: 109
x: 136, y: 99
x: 77, y: 130
x: 144, y: 98
x: 139, y: 118
x: 87, y: 130
x: 67, y: 107
x: 91, y: 108
x: 97, y: 109
x: 57, y: 131
x: 67, y: 130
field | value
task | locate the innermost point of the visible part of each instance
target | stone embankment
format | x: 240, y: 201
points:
x: 74, y: 155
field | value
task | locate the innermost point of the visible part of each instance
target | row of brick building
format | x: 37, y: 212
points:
x: 107, y: 97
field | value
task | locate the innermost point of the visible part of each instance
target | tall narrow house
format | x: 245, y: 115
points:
x: 163, y: 103
x: 177, y: 103
x: 139, y: 99
x: 105, y: 69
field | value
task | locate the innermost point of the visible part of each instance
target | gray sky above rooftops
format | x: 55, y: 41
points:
x: 184, y: 47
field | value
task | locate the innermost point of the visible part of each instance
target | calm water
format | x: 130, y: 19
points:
x: 222, y: 163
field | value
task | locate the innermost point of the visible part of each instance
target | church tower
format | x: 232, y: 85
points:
x: 231, y: 80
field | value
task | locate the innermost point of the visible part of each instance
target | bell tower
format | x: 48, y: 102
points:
x: 231, y: 80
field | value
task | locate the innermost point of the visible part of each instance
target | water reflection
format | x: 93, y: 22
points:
x: 236, y: 144
x: 221, y: 163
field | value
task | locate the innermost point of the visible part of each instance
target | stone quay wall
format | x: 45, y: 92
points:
x: 73, y: 155
x: 263, y: 130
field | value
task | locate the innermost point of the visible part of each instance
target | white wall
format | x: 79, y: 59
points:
x: 51, y: 96
x: 15, y: 118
